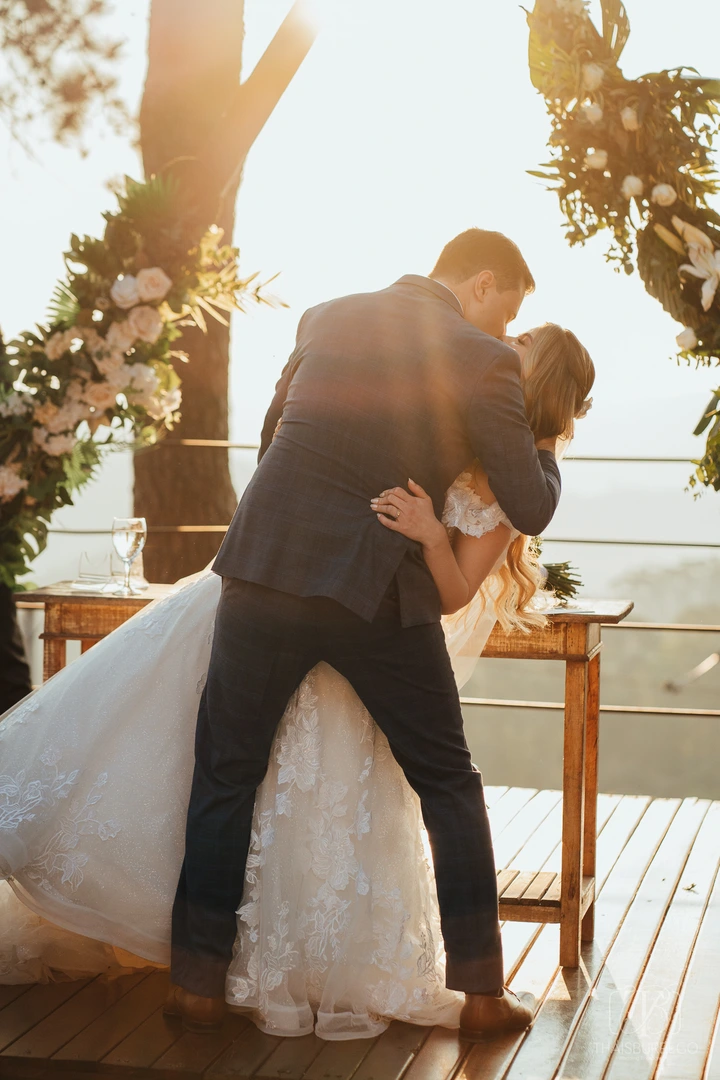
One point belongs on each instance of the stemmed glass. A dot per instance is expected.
(129, 536)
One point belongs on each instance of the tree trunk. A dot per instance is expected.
(198, 122)
(194, 61)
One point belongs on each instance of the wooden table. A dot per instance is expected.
(572, 636)
(74, 615)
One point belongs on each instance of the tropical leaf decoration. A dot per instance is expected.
(101, 372)
(634, 158)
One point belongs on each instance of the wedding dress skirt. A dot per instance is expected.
(338, 930)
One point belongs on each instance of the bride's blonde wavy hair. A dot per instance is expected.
(560, 375)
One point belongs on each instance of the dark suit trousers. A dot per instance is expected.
(14, 671)
(265, 643)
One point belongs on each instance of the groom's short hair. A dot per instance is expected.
(476, 250)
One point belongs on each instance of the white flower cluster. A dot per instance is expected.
(148, 287)
(88, 398)
(60, 342)
(54, 445)
(14, 405)
(11, 483)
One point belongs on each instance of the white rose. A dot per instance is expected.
(67, 418)
(632, 187)
(93, 342)
(110, 362)
(629, 118)
(75, 389)
(144, 381)
(124, 292)
(164, 404)
(592, 76)
(598, 159)
(11, 483)
(59, 343)
(592, 112)
(14, 405)
(687, 340)
(153, 285)
(44, 413)
(56, 445)
(100, 395)
(663, 194)
(121, 336)
(146, 324)
(121, 378)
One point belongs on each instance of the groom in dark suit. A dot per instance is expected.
(412, 381)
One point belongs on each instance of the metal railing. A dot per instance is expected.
(503, 702)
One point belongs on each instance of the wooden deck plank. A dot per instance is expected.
(15, 990)
(593, 1039)
(536, 1053)
(339, 1060)
(690, 1034)
(112, 1026)
(504, 810)
(438, 1057)
(655, 997)
(517, 834)
(29, 1009)
(292, 1058)
(245, 1056)
(712, 1071)
(493, 794)
(46, 1037)
(392, 1053)
(195, 1053)
(146, 1043)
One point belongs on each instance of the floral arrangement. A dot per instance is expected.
(633, 157)
(102, 372)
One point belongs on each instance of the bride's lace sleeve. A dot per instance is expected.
(467, 631)
(466, 511)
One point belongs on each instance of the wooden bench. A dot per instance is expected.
(572, 636)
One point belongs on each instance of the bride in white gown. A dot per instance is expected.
(338, 930)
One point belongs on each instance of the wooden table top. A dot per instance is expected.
(64, 590)
(577, 611)
(591, 611)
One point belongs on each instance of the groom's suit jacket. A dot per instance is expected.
(382, 387)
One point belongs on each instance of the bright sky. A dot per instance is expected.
(409, 121)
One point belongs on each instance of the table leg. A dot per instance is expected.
(576, 682)
(592, 728)
(54, 657)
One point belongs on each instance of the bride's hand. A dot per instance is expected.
(412, 515)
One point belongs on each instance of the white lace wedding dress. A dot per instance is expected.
(338, 929)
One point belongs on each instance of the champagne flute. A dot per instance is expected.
(129, 536)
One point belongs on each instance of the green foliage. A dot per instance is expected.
(632, 157)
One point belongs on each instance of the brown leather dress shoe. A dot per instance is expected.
(483, 1015)
(199, 1014)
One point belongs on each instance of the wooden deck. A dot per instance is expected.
(642, 1005)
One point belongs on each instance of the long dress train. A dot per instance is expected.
(338, 929)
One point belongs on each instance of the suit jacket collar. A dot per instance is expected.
(432, 286)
